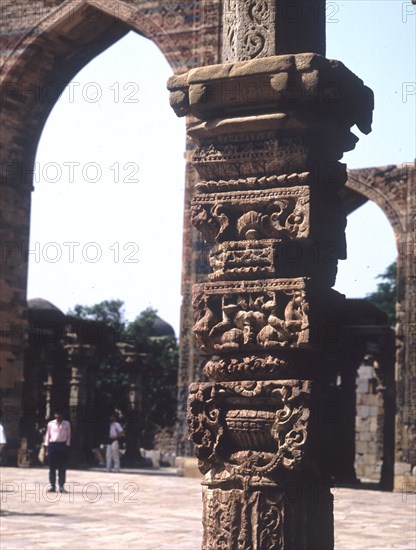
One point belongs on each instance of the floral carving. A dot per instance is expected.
(266, 426)
(228, 518)
(205, 430)
(229, 25)
(211, 222)
(254, 42)
(252, 215)
(248, 29)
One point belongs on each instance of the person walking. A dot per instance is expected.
(3, 441)
(57, 442)
(112, 455)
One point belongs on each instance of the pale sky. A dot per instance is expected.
(108, 203)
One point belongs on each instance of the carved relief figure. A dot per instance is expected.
(274, 333)
(296, 317)
(232, 337)
(253, 320)
(204, 315)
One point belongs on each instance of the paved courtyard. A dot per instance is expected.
(157, 510)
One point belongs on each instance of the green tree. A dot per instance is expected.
(159, 376)
(112, 379)
(140, 330)
(112, 382)
(159, 382)
(160, 385)
(385, 296)
(109, 312)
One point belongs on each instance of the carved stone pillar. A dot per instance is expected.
(270, 133)
(384, 369)
(47, 391)
(134, 362)
(82, 359)
(262, 28)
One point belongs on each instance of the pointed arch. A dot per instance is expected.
(49, 55)
(34, 73)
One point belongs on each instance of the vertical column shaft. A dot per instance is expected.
(262, 28)
(81, 359)
(269, 132)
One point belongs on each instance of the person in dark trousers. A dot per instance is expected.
(57, 442)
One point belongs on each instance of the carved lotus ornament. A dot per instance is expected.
(249, 225)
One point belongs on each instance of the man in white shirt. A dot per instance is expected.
(3, 440)
(57, 442)
(112, 454)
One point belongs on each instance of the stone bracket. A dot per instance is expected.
(276, 83)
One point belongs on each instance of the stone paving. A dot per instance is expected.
(157, 510)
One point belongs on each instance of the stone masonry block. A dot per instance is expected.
(402, 468)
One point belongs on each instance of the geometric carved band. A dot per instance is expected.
(242, 259)
(244, 159)
(270, 182)
(247, 367)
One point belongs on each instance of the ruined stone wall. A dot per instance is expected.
(393, 189)
(368, 426)
(43, 44)
(49, 41)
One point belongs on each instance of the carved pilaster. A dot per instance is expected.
(82, 360)
(249, 29)
(269, 135)
(47, 389)
(262, 28)
(134, 364)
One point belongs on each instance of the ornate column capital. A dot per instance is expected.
(78, 351)
(275, 91)
(130, 355)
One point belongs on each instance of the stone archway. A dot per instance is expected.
(188, 33)
(393, 189)
(40, 60)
